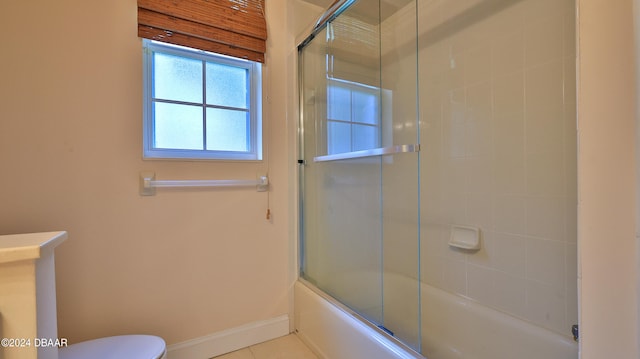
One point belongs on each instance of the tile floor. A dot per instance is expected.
(287, 347)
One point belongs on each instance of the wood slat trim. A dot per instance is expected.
(218, 13)
(175, 38)
(205, 32)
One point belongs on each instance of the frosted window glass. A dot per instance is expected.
(177, 78)
(339, 103)
(364, 137)
(200, 105)
(227, 86)
(365, 108)
(227, 130)
(353, 114)
(338, 137)
(178, 126)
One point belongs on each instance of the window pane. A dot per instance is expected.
(365, 108)
(364, 137)
(338, 137)
(227, 85)
(177, 78)
(178, 126)
(339, 103)
(227, 130)
(200, 105)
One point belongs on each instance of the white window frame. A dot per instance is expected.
(255, 106)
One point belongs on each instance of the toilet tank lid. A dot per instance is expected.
(122, 346)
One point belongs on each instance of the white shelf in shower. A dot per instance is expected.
(382, 151)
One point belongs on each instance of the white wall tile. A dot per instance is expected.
(479, 212)
(506, 156)
(478, 67)
(546, 306)
(507, 52)
(545, 262)
(545, 130)
(509, 254)
(455, 69)
(479, 177)
(569, 28)
(455, 276)
(513, 293)
(509, 172)
(432, 236)
(478, 124)
(546, 217)
(454, 172)
(569, 84)
(571, 283)
(432, 270)
(544, 39)
(453, 123)
(534, 10)
(545, 174)
(571, 254)
(480, 284)
(544, 88)
(508, 93)
(571, 155)
(509, 154)
(509, 214)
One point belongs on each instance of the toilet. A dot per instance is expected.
(121, 346)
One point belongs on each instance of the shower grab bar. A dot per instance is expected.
(148, 183)
(369, 153)
(331, 13)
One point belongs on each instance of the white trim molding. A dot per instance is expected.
(230, 340)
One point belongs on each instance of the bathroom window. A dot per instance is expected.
(199, 105)
(353, 119)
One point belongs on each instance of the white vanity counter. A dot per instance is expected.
(17, 247)
(28, 294)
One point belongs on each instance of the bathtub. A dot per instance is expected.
(453, 327)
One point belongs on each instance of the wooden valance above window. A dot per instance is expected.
(230, 27)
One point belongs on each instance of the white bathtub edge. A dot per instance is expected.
(333, 333)
(458, 328)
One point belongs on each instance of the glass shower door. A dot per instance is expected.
(342, 207)
(360, 210)
(400, 172)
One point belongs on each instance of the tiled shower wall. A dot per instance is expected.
(498, 135)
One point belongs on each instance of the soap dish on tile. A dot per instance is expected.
(465, 237)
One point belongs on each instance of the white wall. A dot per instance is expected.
(181, 264)
(607, 101)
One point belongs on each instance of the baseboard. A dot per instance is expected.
(230, 340)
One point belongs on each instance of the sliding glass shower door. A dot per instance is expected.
(360, 163)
